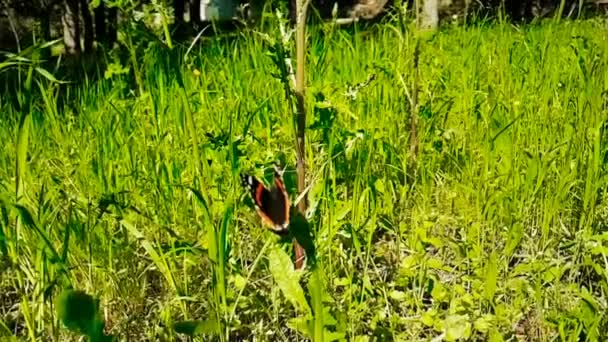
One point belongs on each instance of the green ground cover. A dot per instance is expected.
(499, 230)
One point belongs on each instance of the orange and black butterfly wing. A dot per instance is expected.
(272, 205)
(276, 207)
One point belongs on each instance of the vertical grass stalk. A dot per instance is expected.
(414, 110)
(300, 93)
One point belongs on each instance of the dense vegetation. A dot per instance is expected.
(498, 229)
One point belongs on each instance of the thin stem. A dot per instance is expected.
(300, 93)
(414, 101)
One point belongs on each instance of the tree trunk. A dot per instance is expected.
(89, 36)
(178, 7)
(195, 11)
(293, 11)
(112, 26)
(71, 27)
(100, 24)
(180, 29)
(429, 16)
(45, 26)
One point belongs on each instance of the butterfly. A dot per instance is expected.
(271, 204)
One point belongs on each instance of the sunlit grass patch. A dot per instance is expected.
(130, 189)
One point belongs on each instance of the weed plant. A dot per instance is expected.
(127, 188)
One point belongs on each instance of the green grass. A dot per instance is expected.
(131, 191)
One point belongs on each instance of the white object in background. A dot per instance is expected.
(217, 10)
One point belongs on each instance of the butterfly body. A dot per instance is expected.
(271, 204)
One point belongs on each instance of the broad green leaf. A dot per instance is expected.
(302, 325)
(516, 232)
(484, 323)
(47, 75)
(457, 327)
(287, 279)
(238, 281)
(437, 264)
(397, 295)
(409, 265)
(329, 336)
(342, 281)
(495, 336)
(552, 273)
(428, 318)
(439, 292)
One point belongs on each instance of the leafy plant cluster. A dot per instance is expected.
(121, 213)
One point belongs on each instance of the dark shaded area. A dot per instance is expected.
(100, 24)
(93, 31)
(527, 10)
